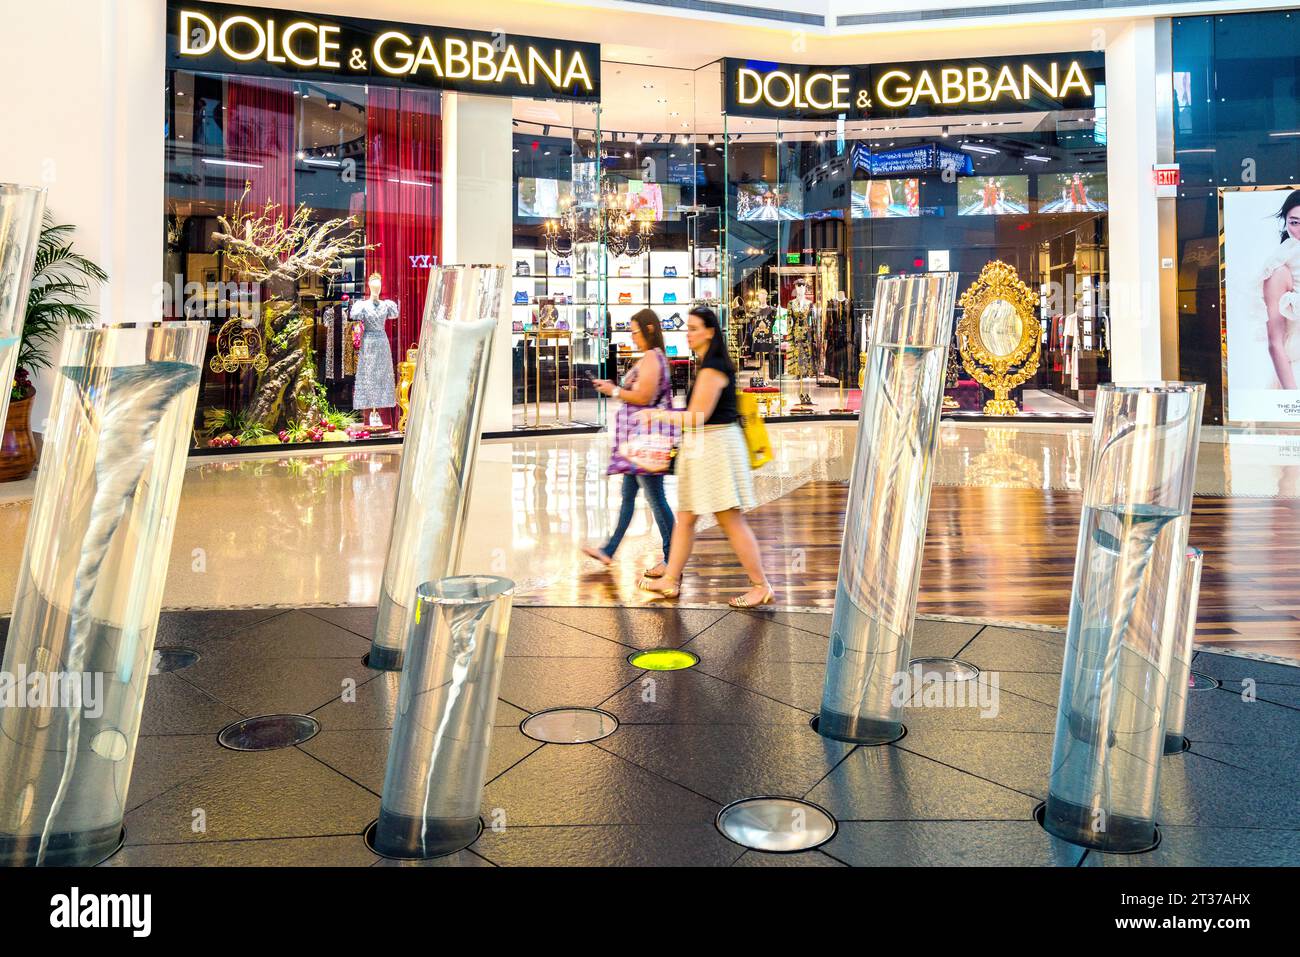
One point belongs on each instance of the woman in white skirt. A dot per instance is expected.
(712, 467)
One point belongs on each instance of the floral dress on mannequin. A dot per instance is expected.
(374, 387)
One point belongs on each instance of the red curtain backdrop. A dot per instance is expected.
(260, 132)
(403, 209)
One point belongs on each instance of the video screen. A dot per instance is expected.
(542, 197)
(885, 198)
(757, 202)
(652, 200)
(1072, 193)
(992, 195)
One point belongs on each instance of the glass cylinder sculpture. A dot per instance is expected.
(437, 756)
(460, 319)
(889, 500)
(21, 209)
(1184, 637)
(1119, 643)
(90, 586)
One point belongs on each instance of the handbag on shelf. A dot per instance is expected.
(755, 429)
(564, 268)
(670, 297)
(624, 272)
(522, 268)
(673, 322)
(670, 272)
(624, 298)
(521, 298)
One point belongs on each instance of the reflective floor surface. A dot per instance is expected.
(959, 789)
(289, 530)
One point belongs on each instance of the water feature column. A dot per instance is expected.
(1110, 723)
(889, 501)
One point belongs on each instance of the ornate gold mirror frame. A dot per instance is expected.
(1000, 373)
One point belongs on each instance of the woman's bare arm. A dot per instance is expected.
(648, 377)
(1278, 282)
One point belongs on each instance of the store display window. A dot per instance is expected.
(817, 207)
(302, 220)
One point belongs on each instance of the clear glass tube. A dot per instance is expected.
(437, 756)
(21, 209)
(889, 500)
(1119, 643)
(90, 586)
(442, 437)
(1184, 638)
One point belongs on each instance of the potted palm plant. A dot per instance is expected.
(62, 278)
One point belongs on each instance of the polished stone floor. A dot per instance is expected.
(288, 530)
(959, 789)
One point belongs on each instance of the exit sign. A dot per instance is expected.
(1167, 179)
(793, 259)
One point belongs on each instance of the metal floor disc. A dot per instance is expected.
(943, 669)
(663, 659)
(776, 824)
(268, 731)
(172, 659)
(569, 725)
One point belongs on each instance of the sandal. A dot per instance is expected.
(598, 555)
(741, 602)
(656, 572)
(670, 591)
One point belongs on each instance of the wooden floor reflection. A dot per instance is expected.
(1005, 554)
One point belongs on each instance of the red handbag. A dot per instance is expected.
(356, 335)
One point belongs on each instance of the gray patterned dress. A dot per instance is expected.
(374, 387)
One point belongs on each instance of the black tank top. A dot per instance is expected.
(724, 413)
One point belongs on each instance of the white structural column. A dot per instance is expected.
(478, 220)
(82, 100)
(1133, 221)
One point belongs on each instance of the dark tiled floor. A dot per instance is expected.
(959, 789)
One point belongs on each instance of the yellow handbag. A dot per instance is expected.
(760, 447)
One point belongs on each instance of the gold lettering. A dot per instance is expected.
(767, 89)
(188, 18)
(510, 64)
(1074, 77)
(484, 68)
(427, 55)
(577, 71)
(537, 62)
(1031, 78)
(455, 54)
(223, 37)
(1007, 81)
(402, 58)
(977, 78)
(271, 56)
(841, 91)
(745, 77)
(902, 93)
(327, 46)
(287, 39)
(812, 99)
(953, 91)
(925, 87)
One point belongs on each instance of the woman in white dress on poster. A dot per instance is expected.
(1281, 287)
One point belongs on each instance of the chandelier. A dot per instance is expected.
(624, 230)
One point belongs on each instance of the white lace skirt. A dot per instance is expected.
(713, 473)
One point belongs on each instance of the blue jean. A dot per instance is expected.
(653, 486)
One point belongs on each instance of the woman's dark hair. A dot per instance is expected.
(647, 320)
(1292, 201)
(717, 351)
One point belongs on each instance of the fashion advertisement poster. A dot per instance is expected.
(1261, 261)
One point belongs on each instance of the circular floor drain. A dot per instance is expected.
(776, 825)
(663, 659)
(1200, 682)
(943, 669)
(815, 724)
(369, 837)
(569, 725)
(1040, 815)
(172, 659)
(268, 731)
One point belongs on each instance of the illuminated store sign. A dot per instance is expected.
(251, 40)
(1004, 85)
